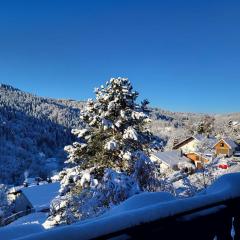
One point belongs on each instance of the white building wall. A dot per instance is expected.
(163, 165)
(190, 147)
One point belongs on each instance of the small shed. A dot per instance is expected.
(40, 196)
(34, 198)
(21, 203)
(225, 146)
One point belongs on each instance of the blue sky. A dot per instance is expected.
(181, 55)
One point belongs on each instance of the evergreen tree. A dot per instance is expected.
(112, 149)
(116, 129)
(206, 125)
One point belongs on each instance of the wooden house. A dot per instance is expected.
(225, 146)
(197, 158)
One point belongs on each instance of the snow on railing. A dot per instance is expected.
(208, 215)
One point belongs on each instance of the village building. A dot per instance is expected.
(172, 160)
(198, 159)
(21, 203)
(36, 198)
(190, 149)
(189, 144)
(225, 147)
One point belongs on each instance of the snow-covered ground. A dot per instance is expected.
(188, 185)
(185, 185)
(24, 226)
(33, 218)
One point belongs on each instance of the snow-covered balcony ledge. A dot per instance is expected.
(161, 216)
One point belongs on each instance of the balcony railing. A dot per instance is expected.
(212, 215)
(220, 221)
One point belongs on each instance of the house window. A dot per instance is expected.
(222, 144)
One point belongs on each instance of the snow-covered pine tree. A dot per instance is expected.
(206, 125)
(116, 129)
(115, 140)
(116, 133)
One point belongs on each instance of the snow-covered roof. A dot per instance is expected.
(40, 196)
(182, 143)
(228, 141)
(198, 137)
(171, 158)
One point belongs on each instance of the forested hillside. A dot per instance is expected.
(33, 132)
